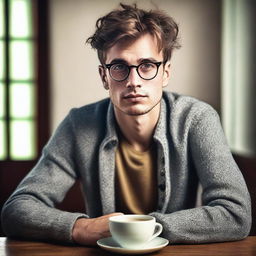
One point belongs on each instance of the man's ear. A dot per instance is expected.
(167, 73)
(103, 77)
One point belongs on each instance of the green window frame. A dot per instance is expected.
(21, 61)
(24, 100)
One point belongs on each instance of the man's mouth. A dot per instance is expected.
(134, 96)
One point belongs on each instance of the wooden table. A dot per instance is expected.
(10, 247)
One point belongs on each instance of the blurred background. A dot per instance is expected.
(46, 69)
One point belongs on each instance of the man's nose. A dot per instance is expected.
(134, 80)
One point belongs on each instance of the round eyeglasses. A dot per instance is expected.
(120, 71)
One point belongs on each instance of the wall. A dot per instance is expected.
(74, 65)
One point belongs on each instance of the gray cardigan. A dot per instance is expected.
(191, 148)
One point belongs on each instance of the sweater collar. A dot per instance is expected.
(161, 127)
(111, 137)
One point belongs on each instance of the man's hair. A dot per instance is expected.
(130, 22)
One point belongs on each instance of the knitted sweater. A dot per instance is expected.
(191, 149)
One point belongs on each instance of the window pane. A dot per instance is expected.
(2, 100)
(21, 60)
(2, 62)
(3, 152)
(22, 100)
(22, 140)
(1, 18)
(20, 19)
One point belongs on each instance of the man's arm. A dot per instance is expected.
(30, 211)
(226, 211)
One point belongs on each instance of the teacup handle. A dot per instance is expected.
(158, 230)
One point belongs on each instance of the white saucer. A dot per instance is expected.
(110, 245)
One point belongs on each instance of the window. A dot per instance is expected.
(238, 75)
(24, 109)
(19, 80)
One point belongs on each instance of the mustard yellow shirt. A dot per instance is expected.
(136, 179)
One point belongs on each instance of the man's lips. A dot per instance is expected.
(134, 96)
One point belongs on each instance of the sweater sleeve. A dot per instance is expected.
(226, 211)
(30, 211)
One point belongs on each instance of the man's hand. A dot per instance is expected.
(88, 231)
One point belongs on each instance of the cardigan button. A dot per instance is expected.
(159, 207)
(162, 187)
(163, 161)
(162, 172)
(111, 144)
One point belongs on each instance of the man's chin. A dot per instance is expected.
(132, 111)
(136, 111)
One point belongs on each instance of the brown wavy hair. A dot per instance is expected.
(130, 22)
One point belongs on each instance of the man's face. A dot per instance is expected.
(135, 96)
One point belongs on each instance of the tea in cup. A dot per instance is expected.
(133, 231)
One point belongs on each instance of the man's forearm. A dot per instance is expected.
(204, 224)
(26, 217)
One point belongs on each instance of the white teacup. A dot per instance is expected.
(133, 231)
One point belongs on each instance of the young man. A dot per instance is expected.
(140, 151)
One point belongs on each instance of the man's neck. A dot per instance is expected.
(138, 130)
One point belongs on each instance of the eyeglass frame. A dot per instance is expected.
(158, 64)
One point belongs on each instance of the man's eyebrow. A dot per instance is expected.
(147, 60)
(118, 61)
(141, 60)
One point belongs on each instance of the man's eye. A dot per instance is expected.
(118, 67)
(147, 66)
